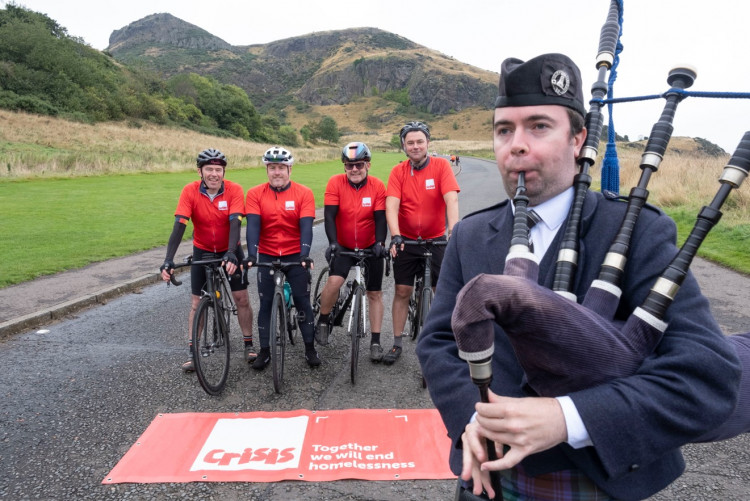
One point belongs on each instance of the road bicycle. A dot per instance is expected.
(211, 323)
(353, 294)
(421, 296)
(284, 321)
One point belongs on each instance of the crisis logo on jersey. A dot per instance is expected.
(429, 184)
(366, 202)
(289, 205)
(223, 205)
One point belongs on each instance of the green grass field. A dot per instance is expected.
(51, 225)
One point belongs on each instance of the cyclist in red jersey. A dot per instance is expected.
(422, 190)
(354, 219)
(280, 215)
(216, 207)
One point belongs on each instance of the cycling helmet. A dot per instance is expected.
(211, 156)
(278, 155)
(355, 152)
(414, 126)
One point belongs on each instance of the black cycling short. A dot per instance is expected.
(198, 272)
(299, 279)
(409, 263)
(373, 270)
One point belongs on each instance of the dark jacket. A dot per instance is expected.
(637, 423)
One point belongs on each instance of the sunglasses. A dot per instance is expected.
(355, 165)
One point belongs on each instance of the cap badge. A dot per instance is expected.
(560, 82)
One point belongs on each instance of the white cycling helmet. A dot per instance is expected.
(278, 155)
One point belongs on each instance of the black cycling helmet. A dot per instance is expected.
(355, 152)
(211, 156)
(278, 155)
(414, 126)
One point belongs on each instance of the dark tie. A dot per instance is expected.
(533, 218)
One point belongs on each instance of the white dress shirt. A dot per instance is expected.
(553, 213)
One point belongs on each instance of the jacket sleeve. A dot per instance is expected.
(447, 376)
(685, 388)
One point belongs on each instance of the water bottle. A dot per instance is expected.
(287, 294)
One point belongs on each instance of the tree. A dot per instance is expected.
(306, 133)
(288, 136)
(328, 130)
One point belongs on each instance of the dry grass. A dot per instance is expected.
(41, 146)
(34, 146)
(686, 179)
(375, 121)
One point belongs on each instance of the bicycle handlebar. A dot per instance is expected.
(277, 264)
(189, 262)
(427, 242)
(357, 253)
(362, 254)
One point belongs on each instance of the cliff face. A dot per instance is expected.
(325, 68)
(166, 29)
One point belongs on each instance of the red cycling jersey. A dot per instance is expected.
(355, 220)
(422, 207)
(210, 217)
(280, 212)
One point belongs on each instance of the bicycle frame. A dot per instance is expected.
(213, 338)
(357, 282)
(284, 307)
(421, 299)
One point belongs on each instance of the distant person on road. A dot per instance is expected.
(216, 207)
(354, 219)
(453, 159)
(422, 191)
(280, 215)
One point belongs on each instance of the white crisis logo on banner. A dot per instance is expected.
(253, 444)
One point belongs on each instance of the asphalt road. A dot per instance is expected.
(76, 398)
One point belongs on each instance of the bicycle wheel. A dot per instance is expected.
(425, 305)
(356, 331)
(292, 324)
(322, 279)
(210, 347)
(278, 340)
(414, 311)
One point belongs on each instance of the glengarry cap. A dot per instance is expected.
(545, 79)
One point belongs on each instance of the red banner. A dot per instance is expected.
(379, 444)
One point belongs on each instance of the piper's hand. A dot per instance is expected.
(166, 269)
(475, 454)
(526, 425)
(249, 262)
(307, 262)
(397, 244)
(230, 262)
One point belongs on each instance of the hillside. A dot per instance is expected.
(324, 68)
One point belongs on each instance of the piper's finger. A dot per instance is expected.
(471, 471)
(511, 458)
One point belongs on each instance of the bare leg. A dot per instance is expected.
(244, 313)
(330, 293)
(400, 308)
(375, 300)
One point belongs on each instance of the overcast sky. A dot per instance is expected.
(711, 36)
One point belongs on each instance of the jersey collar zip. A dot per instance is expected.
(419, 167)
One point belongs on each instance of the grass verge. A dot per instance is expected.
(55, 224)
